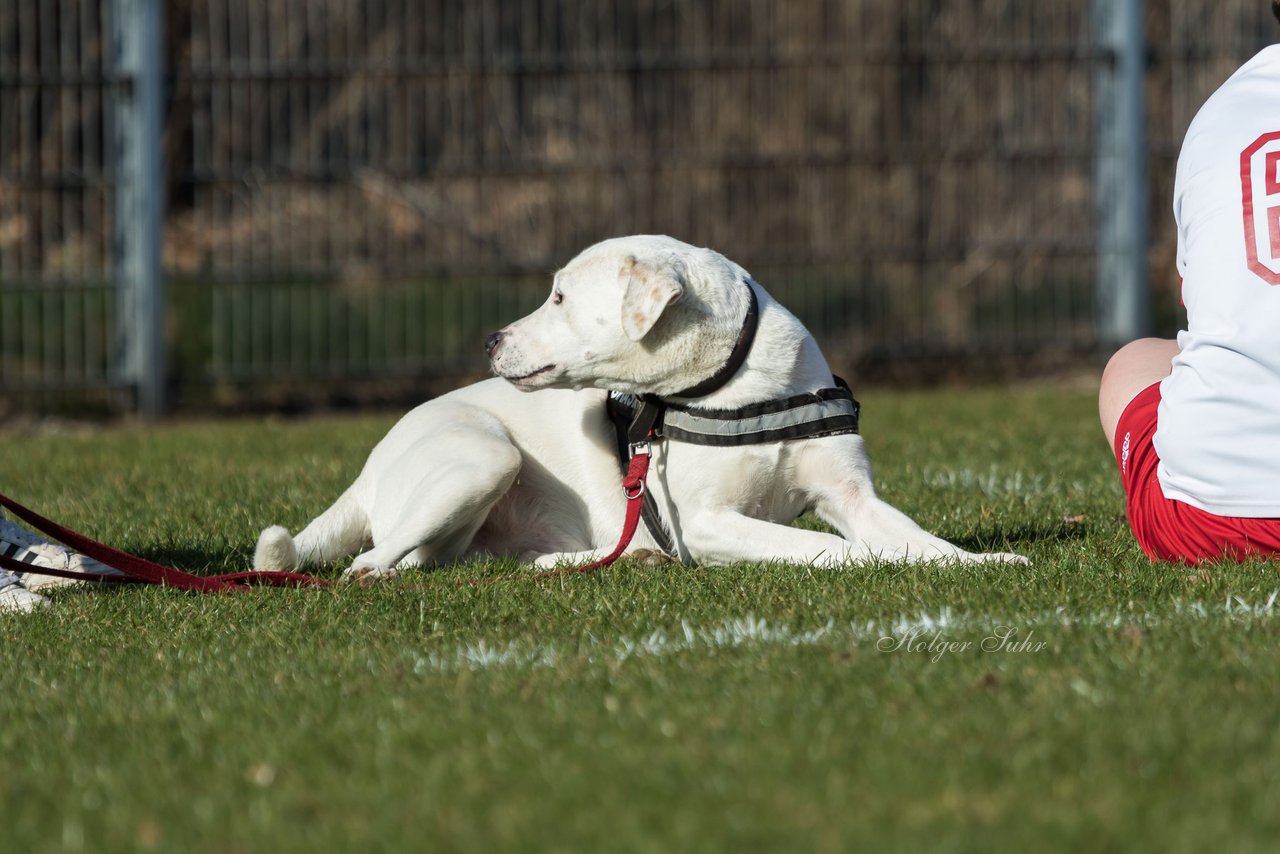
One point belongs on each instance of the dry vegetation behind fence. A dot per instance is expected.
(913, 177)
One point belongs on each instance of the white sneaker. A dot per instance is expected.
(20, 544)
(16, 599)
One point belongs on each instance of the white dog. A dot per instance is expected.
(527, 465)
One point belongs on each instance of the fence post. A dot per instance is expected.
(1120, 172)
(138, 200)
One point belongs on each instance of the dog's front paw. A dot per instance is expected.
(366, 575)
(554, 560)
(562, 560)
(649, 557)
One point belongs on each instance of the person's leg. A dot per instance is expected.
(1135, 366)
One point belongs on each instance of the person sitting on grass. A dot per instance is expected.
(1195, 423)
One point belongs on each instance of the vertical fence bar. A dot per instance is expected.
(1120, 172)
(137, 239)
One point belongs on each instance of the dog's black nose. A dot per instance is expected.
(492, 341)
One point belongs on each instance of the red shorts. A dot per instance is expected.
(1168, 529)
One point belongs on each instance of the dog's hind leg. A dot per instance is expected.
(341, 531)
(459, 479)
(338, 532)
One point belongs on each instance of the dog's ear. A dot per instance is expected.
(649, 291)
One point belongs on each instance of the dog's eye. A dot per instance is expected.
(556, 297)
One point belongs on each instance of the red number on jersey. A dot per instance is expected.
(1260, 193)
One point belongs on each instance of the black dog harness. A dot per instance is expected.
(638, 420)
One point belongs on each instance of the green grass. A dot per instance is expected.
(640, 709)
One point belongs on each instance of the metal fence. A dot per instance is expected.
(359, 190)
(55, 194)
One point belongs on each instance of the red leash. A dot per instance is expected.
(633, 487)
(138, 570)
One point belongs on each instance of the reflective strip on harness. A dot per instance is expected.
(805, 421)
(827, 412)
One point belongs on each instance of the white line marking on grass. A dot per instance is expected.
(750, 631)
(998, 481)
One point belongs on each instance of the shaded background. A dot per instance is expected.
(357, 191)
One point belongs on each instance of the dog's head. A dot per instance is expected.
(642, 314)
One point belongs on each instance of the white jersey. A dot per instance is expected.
(1218, 429)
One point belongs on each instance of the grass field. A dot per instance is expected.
(1091, 701)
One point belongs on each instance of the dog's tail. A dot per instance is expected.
(340, 531)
